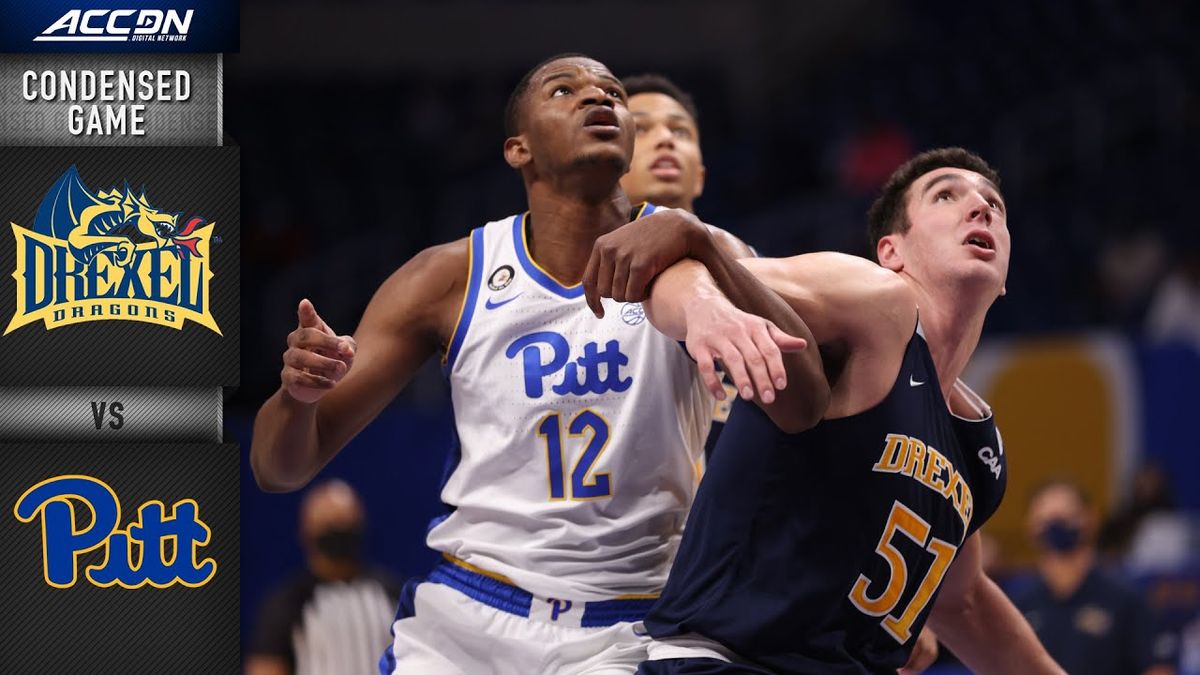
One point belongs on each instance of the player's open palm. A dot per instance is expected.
(749, 348)
(316, 358)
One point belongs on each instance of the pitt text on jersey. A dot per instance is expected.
(153, 549)
(111, 255)
(913, 458)
(594, 382)
(601, 373)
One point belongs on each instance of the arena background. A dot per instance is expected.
(370, 130)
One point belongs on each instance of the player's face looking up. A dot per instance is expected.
(667, 167)
(958, 231)
(573, 114)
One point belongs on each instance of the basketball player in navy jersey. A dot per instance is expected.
(827, 550)
(667, 167)
(668, 170)
(578, 435)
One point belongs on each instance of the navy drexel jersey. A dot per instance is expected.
(823, 551)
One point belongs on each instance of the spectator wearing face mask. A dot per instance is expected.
(1089, 622)
(334, 617)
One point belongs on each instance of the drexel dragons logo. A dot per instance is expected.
(111, 255)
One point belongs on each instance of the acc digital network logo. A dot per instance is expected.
(119, 25)
(111, 256)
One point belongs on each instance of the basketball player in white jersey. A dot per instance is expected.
(578, 435)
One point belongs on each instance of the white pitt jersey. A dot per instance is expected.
(581, 439)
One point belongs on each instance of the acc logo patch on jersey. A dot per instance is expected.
(111, 256)
(633, 313)
(501, 278)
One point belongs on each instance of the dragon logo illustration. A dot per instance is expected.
(111, 255)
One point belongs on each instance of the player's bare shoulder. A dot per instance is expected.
(842, 297)
(425, 293)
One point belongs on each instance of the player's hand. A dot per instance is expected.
(625, 261)
(749, 347)
(924, 653)
(316, 358)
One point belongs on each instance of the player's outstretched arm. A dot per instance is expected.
(842, 298)
(974, 618)
(333, 386)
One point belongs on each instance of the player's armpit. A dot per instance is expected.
(410, 316)
(977, 622)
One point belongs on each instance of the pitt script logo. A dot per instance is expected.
(153, 549)
(111, 255)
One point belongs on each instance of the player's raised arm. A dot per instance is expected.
(974, 618)
(333, 386)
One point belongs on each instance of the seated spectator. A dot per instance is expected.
(1089, 622)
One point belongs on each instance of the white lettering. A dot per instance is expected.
(112, 27)
(70, 21)
(28, 78)
(989, 457)
(149, 21)
(86, 28)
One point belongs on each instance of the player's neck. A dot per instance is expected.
(952, 328)
(1064, 573)
(562, 228)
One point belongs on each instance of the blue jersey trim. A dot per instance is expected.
(609, 612)
(544, 279)
(491, 592)
(406, 609)
(521, 244)
(453, 459)
(497, 593)
(472, 295)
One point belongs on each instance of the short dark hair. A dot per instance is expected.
(512, 110)
(654, 83)
(1056, 483)
(888, 215)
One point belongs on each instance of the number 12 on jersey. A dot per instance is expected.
(583, 485)
(903, 520)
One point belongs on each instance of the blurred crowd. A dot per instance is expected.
(1115, 593)
(1088, 109)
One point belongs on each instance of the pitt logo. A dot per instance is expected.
(593, 381)
(111, 255)
(924, 464)
(558, 608)
(133, 557)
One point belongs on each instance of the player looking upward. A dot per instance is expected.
(667, 167)
(668, 170)
(825, 551)
(577, 435)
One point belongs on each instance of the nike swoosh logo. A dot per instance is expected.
(913, 383)
(493, 305)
